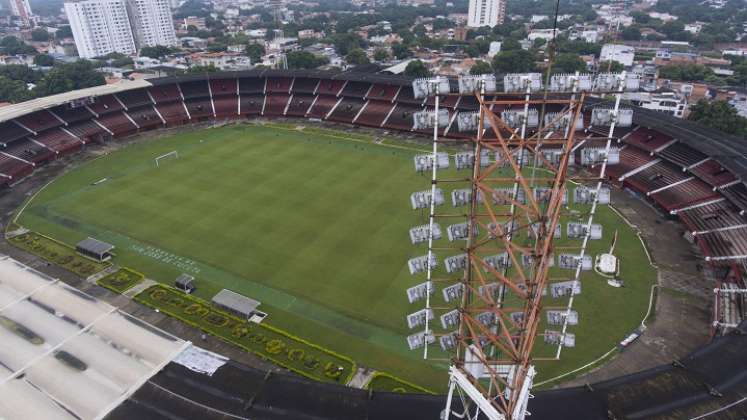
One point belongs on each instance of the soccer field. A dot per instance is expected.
(311, 223)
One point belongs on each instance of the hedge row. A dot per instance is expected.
(57, 253)
(121, 280)
(389, 383)
(270, 343)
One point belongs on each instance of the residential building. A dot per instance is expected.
(546, 34)
(623, 54)
(151, 23)
(22, 9)
(668, 102)
(100, 27)
(486, 13)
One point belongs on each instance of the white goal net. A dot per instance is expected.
(166, 156)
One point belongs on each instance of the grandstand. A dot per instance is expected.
(666, 160)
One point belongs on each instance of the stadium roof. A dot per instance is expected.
(23, 108)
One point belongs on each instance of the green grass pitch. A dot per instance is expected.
(312, 223)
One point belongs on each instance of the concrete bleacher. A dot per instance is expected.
(72, 115)
(29, 151)
(86, 130)
(299, 104)
(59, 140)
(223, 87)
(165, 93)
(305, 85)
(251, 104)
(226, 105)
(682, 155)
(279, 85)
(10, 131)
(199, 107)
(275, 103)
(194, 89)
(145, 117)
(383, 92)
(375, 113)
(713, 173)
(134, 98)
(173, 112)
(322, 106)
(39, 121)
(347, 110)
(105, 104)
(117, 123)
(648, 139)
(330, 87)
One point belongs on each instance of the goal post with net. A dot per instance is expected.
(170, 155)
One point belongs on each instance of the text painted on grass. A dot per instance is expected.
(184, 264)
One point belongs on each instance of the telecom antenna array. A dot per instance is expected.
(493, 217)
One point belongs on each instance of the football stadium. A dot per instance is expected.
(235, 245)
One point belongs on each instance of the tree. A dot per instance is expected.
(66, 77)
(631, 33)
(381, 54)
(63, 32)
(13, 90)
(719, 115)
(40, 35)
(20, 72)
(514, 61)
(481, 67)
(345, 42)
(14, 46)
(568, 63)
(416, 68)
(611, 66)
(685, 72)
(44, 60)
(400, 51)
(255, 52)
(357, 57)
(157, 51)
(510, 44)
(304, 60)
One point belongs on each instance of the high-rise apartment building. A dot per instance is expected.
(101, 27)
(22, 9)
(486, 13)
(151, 22)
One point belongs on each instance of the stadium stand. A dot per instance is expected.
(355, 89)
(226, 106)
(347, 110)
(322, 106)
(717, 215)
(39, 121)
(199, 108)
(134, 98)
(631, 158)
(251, 85)
(251, 104)
(13, 169)
(737, 194)
(713, 173)
(406, 96)
(174, 113)
(86, 130)
(10, 131)
(684, 194)
(105, 104)
(165, 93)
(305, 85)
(29, 151)
(330, 87)
(401, 117)
(223, 87)
(279, 85)
(117, 123)
(194, 89)
(654, 177)
(375, 113)
(145, 117)
(72, 115)
(383, 92)
(299, 104)
(682, 155)
(647, 139)
(275, 103)
(59, 140)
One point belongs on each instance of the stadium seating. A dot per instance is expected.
(401, 118)
(630, 158)
(657, 176)
(165, 93)
(468, 103)
(174, 112)
(716, 215)
(251, 104)
(194, 89)
(10, 131)
(383, 92)
(322, 106)
(347, 110)
(275, 103)
(117, 123)
(29, 150)
(737, 194)
(305, 85)
(278, 85)
(86, 130)
(145, 117)
(713, 173)
(105, 104)
(13, 168)
(682, 155)
(299, 104)
(728, 243)
(647, 139)
(330, 87)
(226, 105)
(684, 194)
(134, 98)
(199, 108)
(72, 115)
(406, 96)
(375, 113)
(251, 85)
(39, 121)
(223, 87)
(59, 140)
